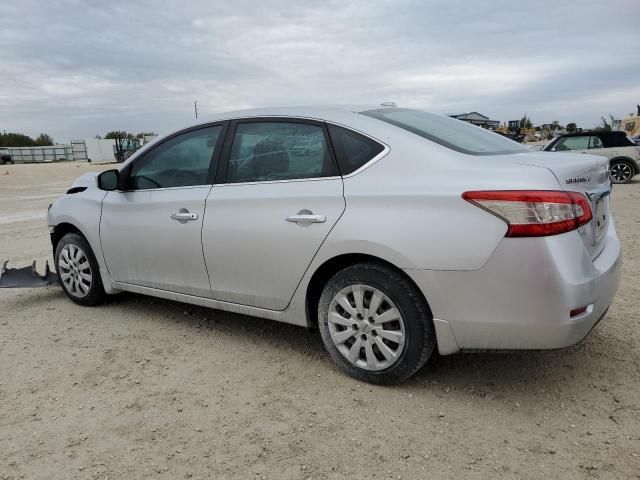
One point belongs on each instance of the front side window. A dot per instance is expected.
(571, 143)
(267, 151)
(451, 133)
(181, 161)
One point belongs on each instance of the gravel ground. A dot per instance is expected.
(147, 388)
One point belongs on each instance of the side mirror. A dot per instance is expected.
(108, 180)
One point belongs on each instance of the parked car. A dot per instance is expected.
(5, 156)
(398, 234)
(622, 152)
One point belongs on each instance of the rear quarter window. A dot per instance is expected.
(352, 149)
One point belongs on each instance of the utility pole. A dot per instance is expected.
(195, 108)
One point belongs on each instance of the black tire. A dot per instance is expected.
(621, 171)
(419, 332)
(95, 294)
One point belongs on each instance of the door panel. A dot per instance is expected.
(143, 245)
(254, 255)
(151, 230)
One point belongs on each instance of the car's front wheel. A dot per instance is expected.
(375, 323)
(78, 270)
(621, 171)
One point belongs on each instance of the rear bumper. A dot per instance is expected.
(523, 296)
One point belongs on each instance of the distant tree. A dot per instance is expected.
(119, 133)
(98, 137)
(556, 124)
(43, 140)
(21, 140)
(15, 140)
(525, 122)
(572, 127)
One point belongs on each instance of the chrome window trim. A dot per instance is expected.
(311, 179)
(162, 189)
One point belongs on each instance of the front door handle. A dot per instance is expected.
(307, 218)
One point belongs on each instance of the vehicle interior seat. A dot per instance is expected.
(270, 160)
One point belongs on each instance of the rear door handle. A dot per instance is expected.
(184, 216)
(307, 218)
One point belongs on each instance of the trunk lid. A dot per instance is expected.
(588, 174)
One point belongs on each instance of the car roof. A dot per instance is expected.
(588, 133)
(306, 111)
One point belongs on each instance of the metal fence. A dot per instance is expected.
(79, 150)
(75, 151)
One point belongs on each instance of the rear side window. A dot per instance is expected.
(352, 149)
(268, 151)
(595, 142)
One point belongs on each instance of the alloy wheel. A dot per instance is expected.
(75, 270)
(366, 327)
(621, 172)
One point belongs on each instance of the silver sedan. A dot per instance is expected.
(394, 232)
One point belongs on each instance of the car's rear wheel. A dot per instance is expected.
(375, 323)
(621, 171)
(78, 270)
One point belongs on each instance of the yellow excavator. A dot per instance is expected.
(513, 131)
(631, 124)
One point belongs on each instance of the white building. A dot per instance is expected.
(100, 149)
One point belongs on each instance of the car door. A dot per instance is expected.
(150, 230)
(276, 198)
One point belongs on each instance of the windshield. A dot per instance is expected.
(454, 134)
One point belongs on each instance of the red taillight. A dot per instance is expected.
(534, 213)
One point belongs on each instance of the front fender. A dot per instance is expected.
(82, 211)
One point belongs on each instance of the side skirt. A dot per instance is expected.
(279, 316)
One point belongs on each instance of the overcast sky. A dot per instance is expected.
(77, 68)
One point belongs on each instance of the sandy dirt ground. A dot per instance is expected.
(146, 388)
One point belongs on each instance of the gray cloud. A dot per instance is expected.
(75, 68)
